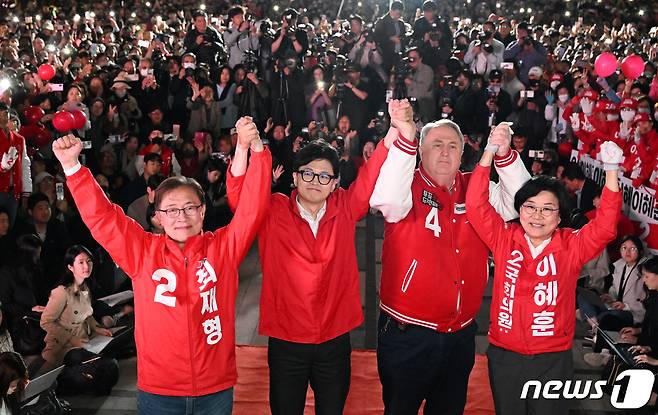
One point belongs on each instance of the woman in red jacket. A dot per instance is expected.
(537, 266)
(185, 281)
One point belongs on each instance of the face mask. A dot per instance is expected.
(494, 88)
(586, 105)
(554, 84)
(189, 65)
(563, 98)
(612, 117)
(644, 110)
(627, 116)
(649, 75)
(120, 93)
(144, 72)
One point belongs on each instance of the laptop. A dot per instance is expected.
(592, 297)
(40, 384)
(619, 349)
(104, 345)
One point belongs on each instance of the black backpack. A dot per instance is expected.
(87, 372)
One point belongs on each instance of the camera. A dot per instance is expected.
(402, 69)
(250, 60)
(487, 48)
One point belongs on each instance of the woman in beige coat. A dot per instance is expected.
(68, 319)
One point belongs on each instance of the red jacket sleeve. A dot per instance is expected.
(356, 201)
(122, 237)
(483, 217)
(252, 208)
(592, 238)
(233, 188)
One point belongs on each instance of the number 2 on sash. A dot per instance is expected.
(432, 222)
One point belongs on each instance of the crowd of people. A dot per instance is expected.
(203, 127)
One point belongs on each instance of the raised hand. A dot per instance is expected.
(67, 150)
(611, 155)
(247, 132)
(402, 118)
(9, 158)
(277, 172)
(500, 139)
(575, 122)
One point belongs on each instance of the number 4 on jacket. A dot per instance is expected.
(432, 221)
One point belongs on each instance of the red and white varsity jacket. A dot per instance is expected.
(434, 266)
(533, 306)
(184, 298)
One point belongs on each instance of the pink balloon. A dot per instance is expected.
(632, 66)
(80, 119)
(46, 72)
(605, 64)
(63, 121)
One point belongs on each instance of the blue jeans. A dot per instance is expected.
(219, 403)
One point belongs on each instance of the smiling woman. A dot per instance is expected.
(537, 266)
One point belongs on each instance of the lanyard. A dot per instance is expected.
(624, 282)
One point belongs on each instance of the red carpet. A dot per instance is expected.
(251, 392)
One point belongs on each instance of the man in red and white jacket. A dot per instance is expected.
(15, 175)
(185, 281)
(434, 269)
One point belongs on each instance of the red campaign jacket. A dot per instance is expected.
(310, 291)
(184, 299)
(647, 152)
(533, 301)
(15, 174)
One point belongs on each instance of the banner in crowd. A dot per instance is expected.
(638, 204)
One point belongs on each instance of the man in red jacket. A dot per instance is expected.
(434, 270)
(185, 281)
(310, 297)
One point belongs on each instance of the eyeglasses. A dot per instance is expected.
(175, 212)
(309, 175)
(544, 211)
(625, 248)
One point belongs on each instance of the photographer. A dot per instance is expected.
(123, 109)
(355, 37)
(480, 55)
(251, 95)
(239, 37)
(352, 94)
(430, 23)
(205, 112)
(390, 34)
(468, 111)
(367, 55)
(420, 85)
(498, 101)
(525, 51)
(203, 40)
(289, 37)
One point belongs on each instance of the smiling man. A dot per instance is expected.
(310, 297)
(434, 269)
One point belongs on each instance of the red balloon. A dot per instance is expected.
(33, 114)
(43, 137)
(564, 149)
(46, 72)
(80, 119)
(63, 121)
(605, 64)
(632, 66)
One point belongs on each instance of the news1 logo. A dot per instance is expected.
(631, 389)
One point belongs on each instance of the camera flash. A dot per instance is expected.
(112, 13)
(4, 85)
(76, 18)
(202, 6)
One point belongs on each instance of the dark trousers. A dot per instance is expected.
(509, 371)
(293, 365)
(416, 364)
